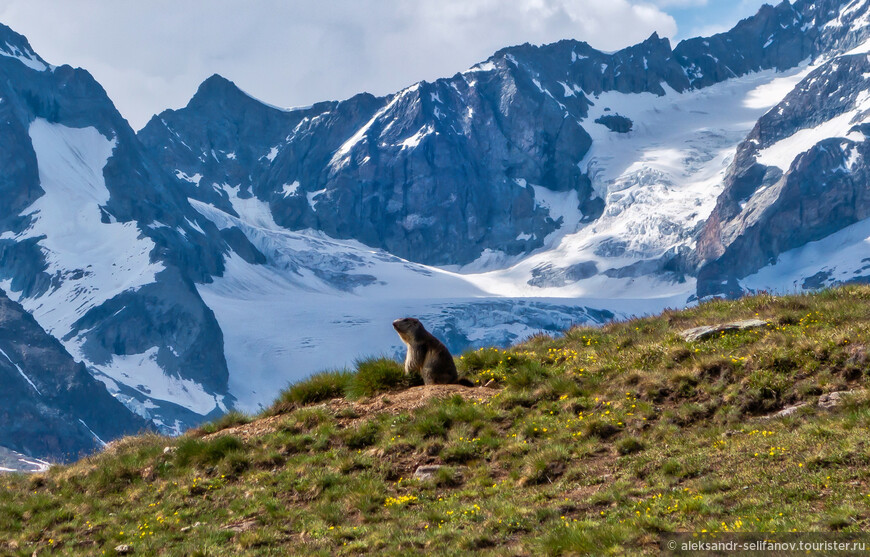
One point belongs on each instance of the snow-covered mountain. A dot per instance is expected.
(99, 246)
(798, 178)
(230, 246)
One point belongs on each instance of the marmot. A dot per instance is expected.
(426, 354)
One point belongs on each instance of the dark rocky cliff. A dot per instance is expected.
(50, 406)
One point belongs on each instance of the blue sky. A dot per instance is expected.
(152, 54)
(713, 16)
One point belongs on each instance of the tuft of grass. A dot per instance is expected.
(545, 466)
(463, 446)
(601, 428)
(474, 361)
(588, 538)
(374, 376)
(230, 419)
(525, 373)
(629, 445)
(364, 435)
(317, 388)
(192, 451)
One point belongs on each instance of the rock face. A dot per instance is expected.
(410, 173)
(800, 176)
(11, 461)
(51, 405)
(776, 37)
(787, 187)
(615, 123)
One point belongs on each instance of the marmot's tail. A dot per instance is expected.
(465, 382)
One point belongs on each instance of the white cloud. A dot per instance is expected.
(152, 55)
(679, 3)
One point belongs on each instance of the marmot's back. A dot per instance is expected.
(426, 354)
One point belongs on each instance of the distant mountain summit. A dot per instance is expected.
(231, 246)
(16, 46)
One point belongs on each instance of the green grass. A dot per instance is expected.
(370, 377)
(203, 452)
(597, 442)
(230, 419)
(317, 388)
(373, 376)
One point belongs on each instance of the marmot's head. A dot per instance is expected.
(407, 327)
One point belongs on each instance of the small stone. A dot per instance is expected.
(148, 474)
(169, 450)
(241, 525)
(857, 355)
(788, 411)
(832, 400)
(124, 549)
(427, 472)
(186, 528)
(707, 331)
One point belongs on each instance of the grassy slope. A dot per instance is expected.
(596, 442)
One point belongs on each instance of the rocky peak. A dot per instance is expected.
(218, 93)
(125, 285)
(397, 172)
(775, 37)
(840, 25)
(571, 68)
(15, 45)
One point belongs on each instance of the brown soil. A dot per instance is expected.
(390, 403)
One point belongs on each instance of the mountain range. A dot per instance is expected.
(162, 277)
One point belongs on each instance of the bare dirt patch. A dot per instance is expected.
(394, 402)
